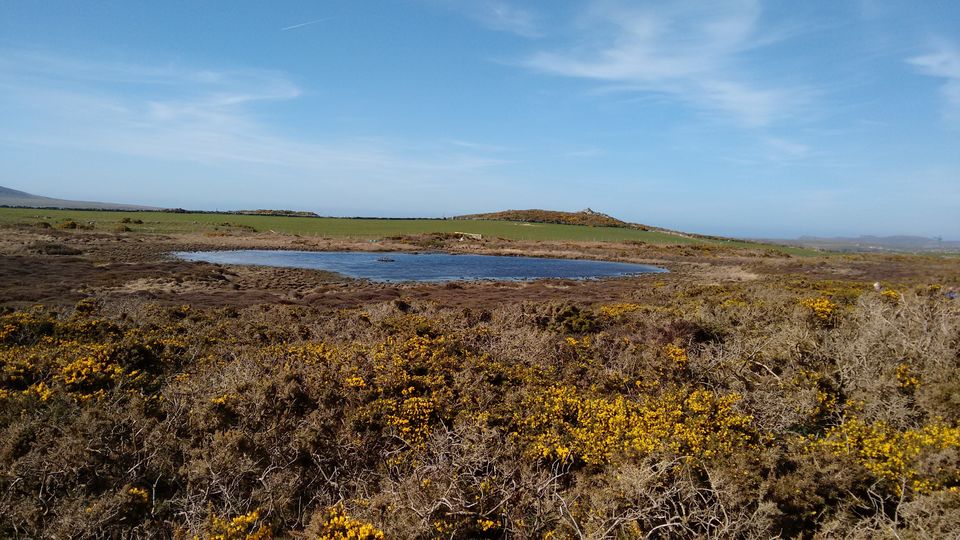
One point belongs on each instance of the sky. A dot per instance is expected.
(731, 117)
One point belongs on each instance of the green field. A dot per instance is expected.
(360, 229)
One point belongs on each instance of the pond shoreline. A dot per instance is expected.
(424, 266)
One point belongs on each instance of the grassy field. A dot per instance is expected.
(170, 222)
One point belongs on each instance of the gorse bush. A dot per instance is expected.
(821, 308)
(335, 524)
(692, 424)
(906, 460)
(730, 411)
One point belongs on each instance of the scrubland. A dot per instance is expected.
(786, 406)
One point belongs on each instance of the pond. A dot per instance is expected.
(393, 267)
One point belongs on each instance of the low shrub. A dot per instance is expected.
(706, 412)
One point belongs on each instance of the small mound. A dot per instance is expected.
(586, 217)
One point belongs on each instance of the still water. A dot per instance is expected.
(391, 267)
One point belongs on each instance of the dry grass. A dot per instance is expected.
(733, 410)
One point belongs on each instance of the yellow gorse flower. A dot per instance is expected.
(242, 527)
(338, 525)
(696, 424)
(894, 455)
(891, 295)
(677, 354)
(905, 377)
(90, 371)
(355, 382)
(823, 308)
(139, 494)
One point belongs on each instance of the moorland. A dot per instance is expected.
(752, 391)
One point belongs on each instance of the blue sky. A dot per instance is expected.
(738, 117)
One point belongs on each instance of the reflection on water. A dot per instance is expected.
(424, 266)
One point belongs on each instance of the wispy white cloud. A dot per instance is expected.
(688, 51)
(772, 151)
(508, 18)
(212, 117)
(499, 15)
(944, 63)
(308, 23)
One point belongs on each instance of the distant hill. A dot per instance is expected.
(13, 197)
(282, 213)
(586, 217)
(877, 243)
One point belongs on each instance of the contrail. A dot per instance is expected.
(308, 23)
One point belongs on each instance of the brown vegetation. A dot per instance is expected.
(584, 217)
(739, 396)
